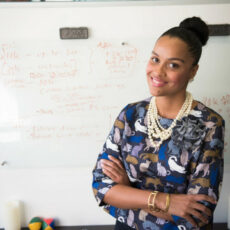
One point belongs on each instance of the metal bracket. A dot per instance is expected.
(219, 30)
(74, 33)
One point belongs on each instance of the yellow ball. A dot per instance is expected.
(35, 224)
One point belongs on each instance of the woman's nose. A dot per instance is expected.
(159, 70)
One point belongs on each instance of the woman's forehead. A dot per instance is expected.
(171, 47)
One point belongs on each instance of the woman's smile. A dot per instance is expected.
(157, 82)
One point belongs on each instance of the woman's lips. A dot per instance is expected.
(157, 82)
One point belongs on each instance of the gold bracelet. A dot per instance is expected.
(167, 203)
(151, 205)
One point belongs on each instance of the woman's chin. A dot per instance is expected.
(156, 92)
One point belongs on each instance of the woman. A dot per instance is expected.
(162, 164)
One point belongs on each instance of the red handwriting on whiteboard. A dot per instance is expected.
(210, 101)
(112, 58)
(71, 52)
(9, 69)
(104, 45)
(223, 100)
(45, 111)
(63, 74)
(220, 104)
(38, 132)
(8, 52)
(120, 60)
(36, 75)
(8, 60)
(46, 82)
(225, 146)
(226, 99)
(15, 83)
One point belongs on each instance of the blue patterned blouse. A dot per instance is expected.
(190, 162)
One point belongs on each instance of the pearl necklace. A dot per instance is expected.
(155, 130)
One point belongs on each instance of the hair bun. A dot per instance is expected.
(197, 26)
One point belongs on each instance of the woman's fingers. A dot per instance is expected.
(110, 166)
(199, 215)
(113, 163)
(108, 163)
(194, 203)
(114, 169)
(116, 161)
(191, 220)
(110, 173)
(202, 197)
(188, 206)
(202, 208)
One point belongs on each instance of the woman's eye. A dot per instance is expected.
(173, 65)
(155, 59)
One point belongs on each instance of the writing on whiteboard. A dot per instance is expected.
(221, 104)
(59, 98)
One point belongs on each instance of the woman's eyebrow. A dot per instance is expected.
(177, 59)
(171, 59)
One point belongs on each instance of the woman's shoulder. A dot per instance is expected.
(207, 114)
(136, 109)
(142, 103)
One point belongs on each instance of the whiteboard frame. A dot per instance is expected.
(101, 3)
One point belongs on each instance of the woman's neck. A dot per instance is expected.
(169, 106)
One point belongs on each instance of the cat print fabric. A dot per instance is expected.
(189, 162)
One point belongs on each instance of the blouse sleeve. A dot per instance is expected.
(101, 183)
(207, 172)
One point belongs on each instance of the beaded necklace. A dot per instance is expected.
(155, 130)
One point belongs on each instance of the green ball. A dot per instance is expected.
(35, 219)
(35, 223)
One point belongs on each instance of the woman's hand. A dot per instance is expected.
(115, 170)
(186, 206)
(183, 205)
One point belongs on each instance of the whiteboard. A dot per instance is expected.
(57, 103)
(59, 99)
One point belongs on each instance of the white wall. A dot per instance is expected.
(65, 193)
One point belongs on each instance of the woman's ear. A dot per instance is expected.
(194, 71)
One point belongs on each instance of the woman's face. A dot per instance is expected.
(170, 67)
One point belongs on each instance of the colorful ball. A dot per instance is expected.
(48, 224)
(35, 223)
